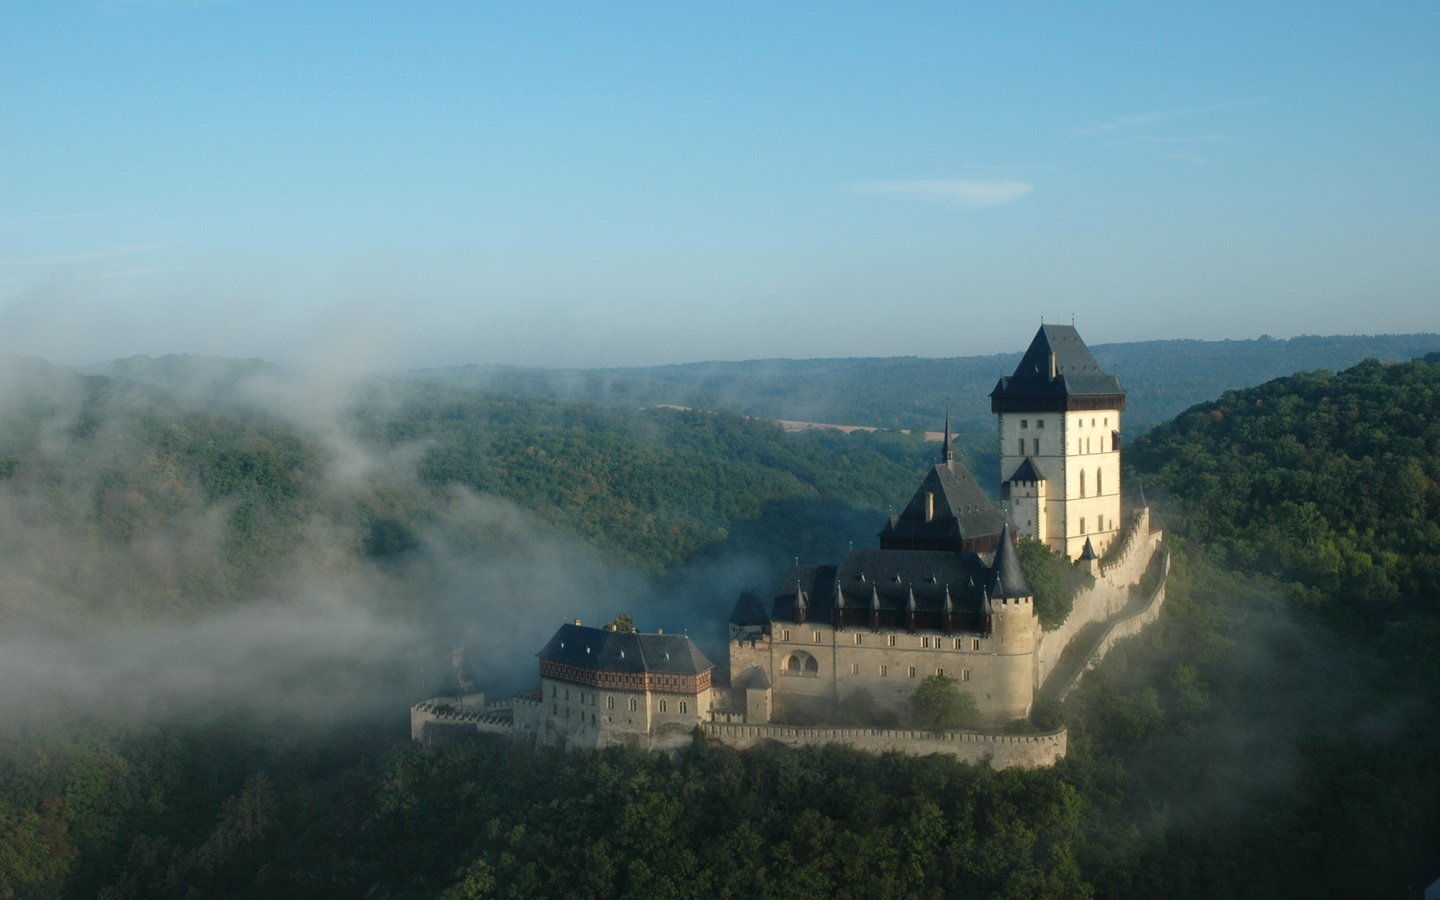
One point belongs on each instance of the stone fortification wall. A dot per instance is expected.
(429, 715)
(1110, 593)
(1002, 751)
(1128, 626)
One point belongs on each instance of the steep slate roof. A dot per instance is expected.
(624, 651)
(749, 611)
(1007, 580)
(1029, 470)
(962, 511)
(1077, 374)
(892, 577)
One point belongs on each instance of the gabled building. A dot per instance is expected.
(1059, 418)
(883, 620)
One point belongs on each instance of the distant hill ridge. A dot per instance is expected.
(911, 392)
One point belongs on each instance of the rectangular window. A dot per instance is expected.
(1082, 526)
(1024, 423)
(857, 640)
(784, 634)
(634, 704)
(890, 640)
(939, 672)
(957, 643)
(815, 636)
(974, 643)
(854, 668)
(1022, 446)
(884, 671)
(609, 702)
(912, 672)
(1039, 423)
(925, 642)
(964, 674)
(684, 707)
(1036, 443)
(662, 706)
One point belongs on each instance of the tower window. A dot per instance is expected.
(785, 632)
(609, 702)
(974, 643)
(684, 707)
(1039, 423)
(857, 640)
(1098, 489)
(1082, 525)
(911, 672)
(884, 671)
(815, 636)
(634, 705)
(890, 640)
(1036, 443)
(662, 706)
(1022, 446)
(1024, 423)
(1082, 492)
(854, 668)
(964, 674)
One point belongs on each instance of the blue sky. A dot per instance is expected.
(615, 184)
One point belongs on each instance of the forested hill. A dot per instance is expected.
(911, 392)
(1328, 482)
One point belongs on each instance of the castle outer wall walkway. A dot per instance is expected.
(1001, 751)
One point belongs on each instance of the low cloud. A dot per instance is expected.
(953, 191)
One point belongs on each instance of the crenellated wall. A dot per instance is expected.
(1001, 751)
(1124, 566)
(1128, 626)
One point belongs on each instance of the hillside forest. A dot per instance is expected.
(224, 584)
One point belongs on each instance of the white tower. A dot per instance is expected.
(1060, 443)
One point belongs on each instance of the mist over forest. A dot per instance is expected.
(225, 581)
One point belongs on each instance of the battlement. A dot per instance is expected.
(1000, 751)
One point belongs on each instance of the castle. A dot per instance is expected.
(944, 594)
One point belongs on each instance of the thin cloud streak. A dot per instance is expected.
(958, 192)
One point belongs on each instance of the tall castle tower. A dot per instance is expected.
(1060, 444)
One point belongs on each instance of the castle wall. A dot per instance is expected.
(1001, 751)
(1107, 597)
(998, 669)
(1129, 626)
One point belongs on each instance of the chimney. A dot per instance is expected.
(577, 621)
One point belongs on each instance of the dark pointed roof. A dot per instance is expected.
(1029, 470)
(749, 611)
(1007, 580)
(1075, 381)
(887, 580)
(752, 679)
(624, 651)
(962, 512)
(1089, 551)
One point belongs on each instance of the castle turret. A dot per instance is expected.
(1014, 629)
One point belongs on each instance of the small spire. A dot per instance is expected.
(948, 454)
(874, 598)
(949, 604)
(910, 604)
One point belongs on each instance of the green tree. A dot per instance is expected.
(939, 705)
(1047, 574)
(622, 622)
